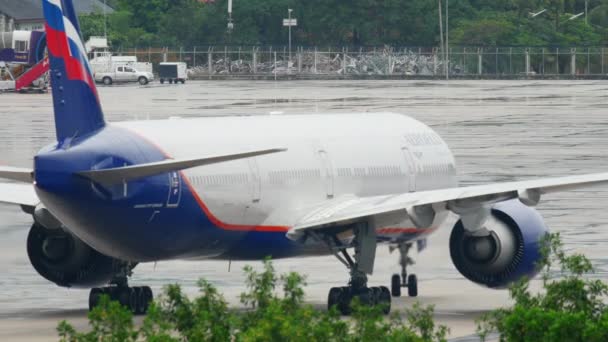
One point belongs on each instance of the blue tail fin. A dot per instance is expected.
(77, 107)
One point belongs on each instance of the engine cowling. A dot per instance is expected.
(67, 261)
(510, 252)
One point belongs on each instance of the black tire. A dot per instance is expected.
(396, 285)
(143, 80)
(162, 81)
(107, 81)
(183, 81)
(412, 285)
(149, 297)
(176, 81)
(385, 300)
(345, 301)
(94, 297)
(170, 81)
(333, 299)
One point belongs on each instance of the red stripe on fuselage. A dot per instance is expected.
(216, 221)
(256, 228)
(57, 43)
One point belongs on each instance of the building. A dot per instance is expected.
(27, 14)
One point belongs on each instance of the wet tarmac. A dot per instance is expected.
(498, 131)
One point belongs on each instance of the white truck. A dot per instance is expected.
(173, 72)
(124, 73)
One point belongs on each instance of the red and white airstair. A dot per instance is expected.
(33, 78)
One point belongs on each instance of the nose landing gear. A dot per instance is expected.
(137, 299)
(404, 280)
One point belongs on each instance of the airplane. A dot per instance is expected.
(107, 196)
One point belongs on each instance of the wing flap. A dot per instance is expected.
(127, 173)
(353, 209)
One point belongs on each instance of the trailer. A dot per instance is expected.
(173, 72)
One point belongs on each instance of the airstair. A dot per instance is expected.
(22, 80)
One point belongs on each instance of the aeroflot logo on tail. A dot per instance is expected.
(63, 41)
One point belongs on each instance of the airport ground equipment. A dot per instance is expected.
(105, 198)
(23, 64)
(173, 72)
(124, 74)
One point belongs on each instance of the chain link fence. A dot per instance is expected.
(466, 62)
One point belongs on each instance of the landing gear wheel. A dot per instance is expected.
(333, 299)
(385, 300)
(412, 285)
(94, 297)
(396, 285)
(149, 297)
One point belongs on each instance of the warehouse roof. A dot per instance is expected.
(32, 9)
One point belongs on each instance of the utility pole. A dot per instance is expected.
(441, 44)
(105, 20)
(230, 23)
(289, 10)
(447, 39)
(586, 11)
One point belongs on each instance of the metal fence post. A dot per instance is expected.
(480, 61)
(573, 61)
(194, 57)
(275, 66)
(255, 61)
(210, 60)
(315, 58)
(602, 55)
(300, 60)
(527, 60)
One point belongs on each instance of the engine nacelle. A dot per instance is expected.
(62, 258)
(510, 252)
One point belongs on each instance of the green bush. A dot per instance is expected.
(268, 317)
(570, 306)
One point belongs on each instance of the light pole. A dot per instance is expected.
(230, 23)
(586, 11)
(447, 40)
(289, 10)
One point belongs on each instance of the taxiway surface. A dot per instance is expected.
(498, 131)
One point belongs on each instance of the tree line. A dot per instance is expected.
(188, 23)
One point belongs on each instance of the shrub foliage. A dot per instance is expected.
(570, 306)
(270, 315)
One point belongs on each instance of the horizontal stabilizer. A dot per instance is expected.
(17, 174)
(127, 173)
(19, 194)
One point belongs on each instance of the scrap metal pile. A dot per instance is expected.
(384, 62)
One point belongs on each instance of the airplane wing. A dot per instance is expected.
(17, 174)
(353, 209)
(18, 193)
(122, 174)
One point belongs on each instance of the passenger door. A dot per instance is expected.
(410, 168)
(327, 172)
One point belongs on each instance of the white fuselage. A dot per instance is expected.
(328, 156)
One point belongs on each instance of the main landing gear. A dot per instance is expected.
(404, 280)
(137, 299)
(362, 265)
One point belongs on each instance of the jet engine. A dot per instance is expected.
(64, 259)
(510, 252)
